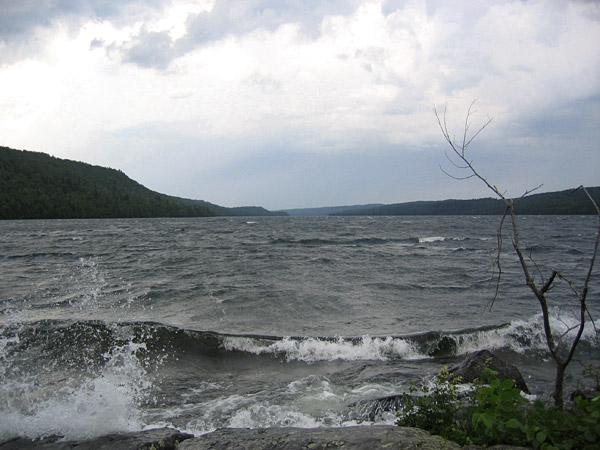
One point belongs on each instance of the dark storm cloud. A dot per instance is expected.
(232, 18)
(150, 49)
(235, 17)
(21, 19)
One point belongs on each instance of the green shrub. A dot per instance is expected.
(495, 412)
(435, 409)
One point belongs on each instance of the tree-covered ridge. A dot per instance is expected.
(562, 202)
(39, 186)
(235, 211)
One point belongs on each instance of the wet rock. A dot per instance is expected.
(443, 348)
(473, 365)
(347, 438)
(374, 437)
(158, 439)
(585, 394)
(374, 409)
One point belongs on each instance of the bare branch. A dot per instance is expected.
(570, 284)
(454, 176)
(526, 193)
(460, 150)
(453, 163)
(498, 260)
(568, 330)
(459, 159)
(591, 319)
(548, 284)
(596, 244)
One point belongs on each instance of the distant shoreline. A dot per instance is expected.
(35, 185)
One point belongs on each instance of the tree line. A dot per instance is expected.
(562, 202)
(35, 185)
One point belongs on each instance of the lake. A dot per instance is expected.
(126, 324)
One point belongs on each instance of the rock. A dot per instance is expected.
(374, 409)
(473, 365)
(443, 348)
(585, 394)
(347, 438)
(159, 439)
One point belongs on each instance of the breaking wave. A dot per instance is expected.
(519, 336)
(312, 349)
(94, 404)
(79, 379)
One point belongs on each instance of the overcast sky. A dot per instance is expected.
(290, 103)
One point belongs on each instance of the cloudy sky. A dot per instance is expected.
(289, 103)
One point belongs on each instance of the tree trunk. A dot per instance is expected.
(559, 383)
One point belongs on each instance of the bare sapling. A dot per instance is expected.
(560, 346)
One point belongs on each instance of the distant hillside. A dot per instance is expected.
(327, 210)
(235, 211)
(562, 202)
(39, 186)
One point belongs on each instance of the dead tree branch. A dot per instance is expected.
(460, 161)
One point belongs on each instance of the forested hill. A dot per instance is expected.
(39, 186)
(562, 202)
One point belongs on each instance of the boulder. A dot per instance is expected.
(374, 437)
(584, 393)
(347, 438)
(473, 365)
(446, 346)
(158, 439)
(376, 408)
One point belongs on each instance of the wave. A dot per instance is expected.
(310, 349)
(350, 242)
(75, 343)
(40, 255)
(315, 242)
(104, 401)
(519, 336)
(82, 377)
(425, 240)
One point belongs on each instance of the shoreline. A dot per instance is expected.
(348, 438)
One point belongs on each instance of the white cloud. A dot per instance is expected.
(245, 80)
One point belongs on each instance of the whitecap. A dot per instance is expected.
(102, 404)
(426, 240)
(319, 349)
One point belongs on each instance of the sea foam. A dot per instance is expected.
(523, 335)
(104, 403)
(318, 349)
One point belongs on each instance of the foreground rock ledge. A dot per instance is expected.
(348, 438)
(160, 438)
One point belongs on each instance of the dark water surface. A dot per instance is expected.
(111, 325)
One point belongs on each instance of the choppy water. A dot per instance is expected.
(113, 325)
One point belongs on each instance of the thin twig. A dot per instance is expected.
(459, 160)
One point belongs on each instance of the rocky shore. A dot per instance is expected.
(348, 438)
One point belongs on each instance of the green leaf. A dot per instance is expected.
(487, 420)
(590, 436)
(507, 383)
(541, 436)
(513, 423)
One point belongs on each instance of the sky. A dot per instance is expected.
(293, 104)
